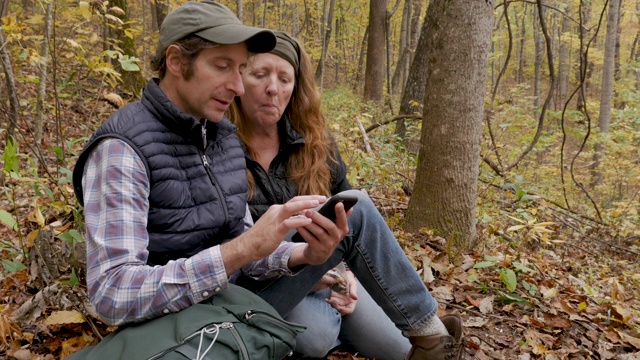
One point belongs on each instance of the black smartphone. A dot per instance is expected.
(328, 209)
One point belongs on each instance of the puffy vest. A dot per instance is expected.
(274, 186)
(198, 184)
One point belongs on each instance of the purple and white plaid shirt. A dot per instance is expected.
(122, 287)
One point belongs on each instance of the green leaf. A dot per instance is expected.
(8, 219)
(492, 258)
(58, 152)
(520, 267)
(10, 156)
(511, 298)
(73, 278)
(129, 63)
(71, 236)
(508, 277)
(12, 265)
(484, 264)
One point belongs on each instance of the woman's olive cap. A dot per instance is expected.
(213, 22)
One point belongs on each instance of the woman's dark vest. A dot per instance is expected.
(197, 177)
(274, 186)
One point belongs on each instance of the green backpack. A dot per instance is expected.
(233, 324)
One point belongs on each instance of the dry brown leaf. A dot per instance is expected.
(556, 321)
(64, 317)
(486, 305)
(114, 99)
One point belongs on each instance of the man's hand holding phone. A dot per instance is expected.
(328, 227)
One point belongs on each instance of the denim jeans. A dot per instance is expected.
(367, 329)
(377, 261)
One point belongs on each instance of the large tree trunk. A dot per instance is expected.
(606, 96)
(445, 194)
(376, 52)
(413, 93)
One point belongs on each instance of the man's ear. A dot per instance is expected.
(174, 60)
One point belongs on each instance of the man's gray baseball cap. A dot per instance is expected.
(213, 22)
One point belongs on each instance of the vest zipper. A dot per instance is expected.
(212, 178)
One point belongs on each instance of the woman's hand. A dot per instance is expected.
(345, 304)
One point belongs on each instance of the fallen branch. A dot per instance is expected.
(395, 118)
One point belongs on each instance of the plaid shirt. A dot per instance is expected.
(122, 287)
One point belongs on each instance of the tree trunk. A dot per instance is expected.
(159, 11)
(132, 81)
(539, 48)
(636, 55)
(584, 74)
(328, 21)
(404, 51)
(563, 62)
(376, 52)
(389, 57)
(363, 54)
(14, 104)
(445, 194)
(606, 96)
(240, 10)
(522, 62)
(42, 87)
(413, 93)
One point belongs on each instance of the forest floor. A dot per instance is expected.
(573, 295)
(543, 282)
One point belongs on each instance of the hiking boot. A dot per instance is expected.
(439, 347)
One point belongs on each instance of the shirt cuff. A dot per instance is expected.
(206, 274)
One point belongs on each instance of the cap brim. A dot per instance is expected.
(258, 40)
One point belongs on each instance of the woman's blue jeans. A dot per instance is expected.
(368, 330)
(377, 261)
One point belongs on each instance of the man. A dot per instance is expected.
(164, 186)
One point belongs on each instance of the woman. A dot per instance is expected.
(289, 152)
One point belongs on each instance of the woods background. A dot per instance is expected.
(499, 138)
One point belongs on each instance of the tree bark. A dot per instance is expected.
(445, 194)
(606, 96)
(539, 48)
(522, 61)
(132, 81)
(413, 93)
(14, 104)
(159, 11)
(563, 62)
(42, 87)
(240, 10)
(375, 74)
(404, 52)
(327, 22)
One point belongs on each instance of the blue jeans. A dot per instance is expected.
(377, 261)
(367, 329)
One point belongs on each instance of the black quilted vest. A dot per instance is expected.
(274, 186)
(198, 181)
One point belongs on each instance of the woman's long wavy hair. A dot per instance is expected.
(310, 166)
